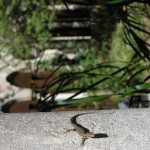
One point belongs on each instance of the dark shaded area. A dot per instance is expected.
(76, 14)
(66, 19)
(138, 102)
(71, 31)
(94, 2)
(103, 24)
(6, 108)
(11, 78)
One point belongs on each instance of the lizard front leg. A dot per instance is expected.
(83, 140)
(68, 130)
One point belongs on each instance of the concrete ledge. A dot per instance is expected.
(126, 130)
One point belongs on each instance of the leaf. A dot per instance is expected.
(136, 88)
(127, 91)
(84, 100)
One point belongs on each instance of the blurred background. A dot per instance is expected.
(72, 55)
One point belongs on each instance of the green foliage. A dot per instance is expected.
(27, 25)
(116, 96)
(125, 76)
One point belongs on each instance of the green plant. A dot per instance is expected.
(25, 26)
(120, 77)
(128, 75)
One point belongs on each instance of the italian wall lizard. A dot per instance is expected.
(84, 132)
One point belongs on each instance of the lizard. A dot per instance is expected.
(82, 131)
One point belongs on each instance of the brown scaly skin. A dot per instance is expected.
(82, 131)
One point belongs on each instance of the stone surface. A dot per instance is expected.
(126, 130)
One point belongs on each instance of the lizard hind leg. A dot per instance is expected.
(83, 140)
